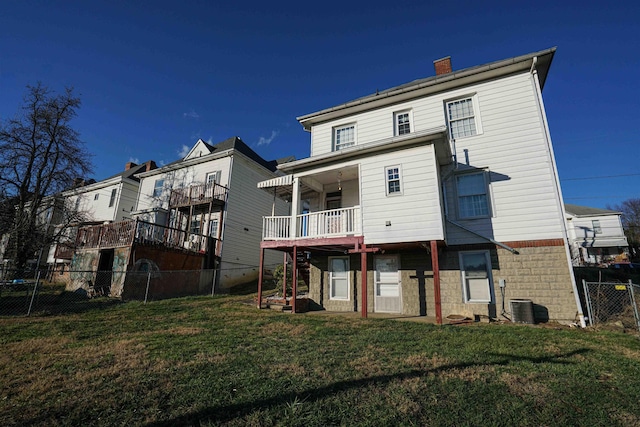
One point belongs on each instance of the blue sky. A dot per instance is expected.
(156, 76)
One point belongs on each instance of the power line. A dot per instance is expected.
(600, 177)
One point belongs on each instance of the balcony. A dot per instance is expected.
(126, 233)
(197, 195)
(321, 224)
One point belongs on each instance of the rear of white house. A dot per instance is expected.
(438, 197)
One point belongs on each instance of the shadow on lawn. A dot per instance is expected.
(225, 413)
(50, 303)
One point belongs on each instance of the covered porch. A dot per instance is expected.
(323, 204)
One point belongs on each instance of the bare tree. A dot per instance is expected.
(40, 156)
(630, 210)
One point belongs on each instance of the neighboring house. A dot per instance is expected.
(200, 212)
(596, 235)
(437, 197)
(107, 201)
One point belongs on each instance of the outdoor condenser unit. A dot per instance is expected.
(522, 311)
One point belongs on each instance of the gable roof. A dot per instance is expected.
(131, 172)
(540, 60)
(233, 143)
(577, 210)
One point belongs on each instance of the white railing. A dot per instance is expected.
(276, 227)
(334, 222)
(329, 223)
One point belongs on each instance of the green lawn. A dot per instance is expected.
(215, 361)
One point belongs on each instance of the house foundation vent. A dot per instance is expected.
(522, 311)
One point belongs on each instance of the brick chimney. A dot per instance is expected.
(443, 65)
(129, 165)
(151, 165)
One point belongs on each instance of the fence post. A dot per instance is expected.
(632, 294)
(146, 292)
(587, 300)
(33, 296)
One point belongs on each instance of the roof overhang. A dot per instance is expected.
(540, 61)
(614, 242)
(425, 136)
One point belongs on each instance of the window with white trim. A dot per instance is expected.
(112, 199)
(158, 187)
(392, 177)
(596, 226)
(402, 122)
(213, 177)
(475, 269)
(339, 278)
(95, 197)
(473, 201)
(344, 136)
(462, 117)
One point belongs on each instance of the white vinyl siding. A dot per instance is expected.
(339, 278)
(416, 216)
(475, 269)
(472, 196)
(512, 145)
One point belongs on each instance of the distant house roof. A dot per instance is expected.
(134, 169)
(587, 211)
(237, 144)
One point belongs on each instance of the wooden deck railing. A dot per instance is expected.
(198, 194)
(125, 233)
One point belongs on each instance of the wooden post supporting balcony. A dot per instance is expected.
(294, 279)
(436, 280)
(260, 271)
(363, 268)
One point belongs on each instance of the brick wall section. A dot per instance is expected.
(540, 273)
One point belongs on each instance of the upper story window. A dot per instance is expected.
(596, 226)
(157, 188)
(472, 195)
(213, 177)
(95, 197)
(112, 199)
(393, 180)
(344, 136)
(402, 122)
(463, 117)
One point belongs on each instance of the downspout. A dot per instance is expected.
(489, 239)
(559, 198)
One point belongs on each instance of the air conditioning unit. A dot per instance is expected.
(522, 311)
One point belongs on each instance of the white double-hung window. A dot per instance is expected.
(158, 187)
(339, 277)
(475, 268)
(402, 122)
(393, 180)
(473, 200)
(463, 117)
(344, 136)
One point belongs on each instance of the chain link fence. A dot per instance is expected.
(613, 303)
(40, 292)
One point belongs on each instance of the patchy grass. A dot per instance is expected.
(215, 361)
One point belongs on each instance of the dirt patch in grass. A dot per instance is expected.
(183, 330)
(526, 387)
(426, 362)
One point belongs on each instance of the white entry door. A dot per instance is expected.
(387, 287)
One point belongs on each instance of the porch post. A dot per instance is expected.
(295, 208)
(284, 277)
(260, 271)
(363, 270)
(436, 280)
(294, 279)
